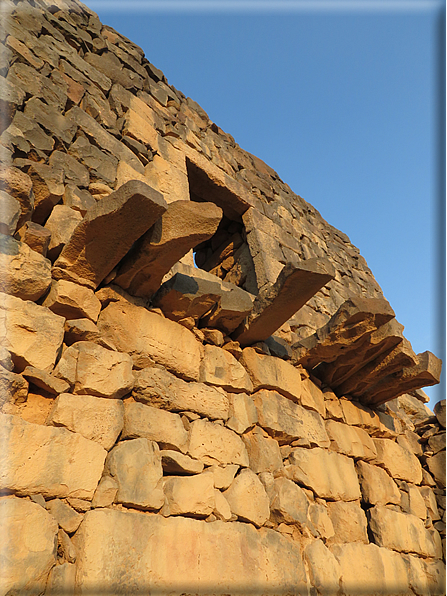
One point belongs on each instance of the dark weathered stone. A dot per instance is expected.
(352, 323)
(100, 164)
(32, 82)
(73, 170)
(32, 132)
(380, 342)
(111, 66)
(78, 199)
(51, 119)
(187, 296)
(385, 364)
(427, 371)
(107, 233)
(11, 97)
(274, 305)
(184, 225)
(48, 188)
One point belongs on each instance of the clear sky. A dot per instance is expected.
(344, 99)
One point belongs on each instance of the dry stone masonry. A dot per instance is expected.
(203, 388)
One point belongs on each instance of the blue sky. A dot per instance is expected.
(342, 99)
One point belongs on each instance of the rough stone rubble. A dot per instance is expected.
(203, 387)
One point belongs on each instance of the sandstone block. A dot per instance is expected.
(154, 424)
(9, 214)
(222, 508)
(72, 301)
(48, 188)
(247, 498)
(18, 185)
(288, 503)
(93, 370)
(330, 475)
(23, 272)
(412, 501)
(234, 558)
(136, 467)
(233, 306)
(61, 580)
(324, 569)
(74, 171)
(350, 440)
(35, 236)
(354, 321)
(107, 232)
(430, 501)
(437, 442)
(171, 181)
(223, 476)
(349, 522)
(398, 461)
(212, 443)
(62, 224)
(191, 496)
(439, 411)
(242, 413)
(312, 397)
(357, 414)
(66, 516)
(263, 452)
(94, 418)
(221, 368)
(268, 372)
(400, 531)
(31, 333)
(436, 465)
(378, 488)
(13, 388)
(150, 338)
(184, 225)
(377, 571)
(105, 492)
(45, 381)
(320, 524)
(78, 199)
(174, 462)
(184, 296)
(28, 546)
(287, 421)
(276, 303)
(158, 387)
(84, 330)
(52, 461)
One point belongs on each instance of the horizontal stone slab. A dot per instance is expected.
(218, 558)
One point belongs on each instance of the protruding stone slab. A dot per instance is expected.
(184, 225)
(47, 460)
(28, 546)
(149, 338)
(157, 387)
(107, 232)
(23, 272)
(382, 341)
(45, 381)
(355, 320)
(426, 372)
(31, 333)
(225, 558)
(275, 304)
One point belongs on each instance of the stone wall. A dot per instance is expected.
(204, 390)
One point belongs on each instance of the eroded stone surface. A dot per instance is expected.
(28, 546)
(212, 444)
(47, 460)
(247, 498)
(72, 301)
(220, 368)
(398, 461)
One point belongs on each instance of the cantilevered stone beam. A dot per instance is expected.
(353, 322)
(107, 233)
(426, 372)
(184, 225)
(275, 304)
(393, 361)
(184, 296)
(379, 343)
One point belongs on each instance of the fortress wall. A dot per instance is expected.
(253, 423)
